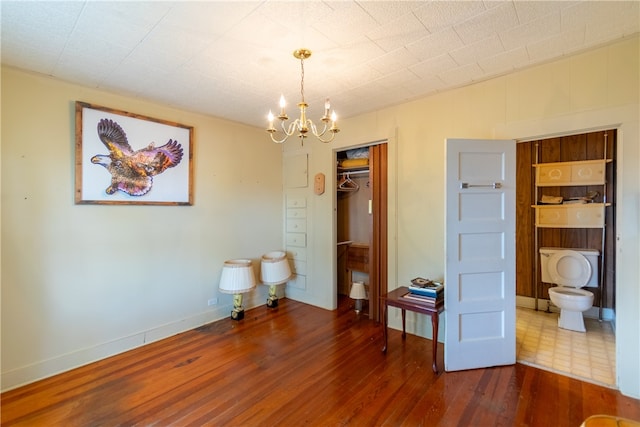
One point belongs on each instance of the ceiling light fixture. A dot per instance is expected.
(303, 125)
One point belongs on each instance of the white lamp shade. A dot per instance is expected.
(358, 291)
(274, 268)
(237, 277)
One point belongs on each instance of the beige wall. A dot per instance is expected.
(61, 307)
(596, 89)
(82, 282)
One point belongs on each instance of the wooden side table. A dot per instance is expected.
(395, 299)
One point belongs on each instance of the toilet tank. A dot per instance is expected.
(590, 254)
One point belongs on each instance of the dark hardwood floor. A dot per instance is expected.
(301, 365)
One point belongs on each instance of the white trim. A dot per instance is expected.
(56, 365)
(392, 209)
(415, 323)
(608, 314)
(583, 122)
(625, 120)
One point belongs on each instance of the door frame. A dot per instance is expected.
(621, 119)
(378, 248)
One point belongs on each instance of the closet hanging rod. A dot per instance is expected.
(352, 172)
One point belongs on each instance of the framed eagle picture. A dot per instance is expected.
(129, 159)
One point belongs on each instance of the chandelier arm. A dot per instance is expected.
(292, 127)
(287, 132)
(333, 135)
(319, 136)
(278, 141)
(315, 130)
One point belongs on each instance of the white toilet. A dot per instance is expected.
(571, 270)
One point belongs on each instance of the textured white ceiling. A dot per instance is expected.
(233, 59)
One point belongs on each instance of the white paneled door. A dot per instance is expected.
(480, 254)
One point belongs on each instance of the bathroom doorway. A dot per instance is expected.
(590, 355)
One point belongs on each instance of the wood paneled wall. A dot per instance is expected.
(589, 146)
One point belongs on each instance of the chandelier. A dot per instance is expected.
(303, 125)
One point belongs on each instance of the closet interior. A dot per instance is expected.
(354, 223)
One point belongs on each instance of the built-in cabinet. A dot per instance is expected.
(567, 167)
(296, 181)
(296, 240)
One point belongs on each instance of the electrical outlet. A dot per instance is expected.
(212, 301)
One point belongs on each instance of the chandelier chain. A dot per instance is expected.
(302, 78)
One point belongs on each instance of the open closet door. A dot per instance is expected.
(378, 253)
(480, 254)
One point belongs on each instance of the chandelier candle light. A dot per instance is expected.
(303, 125)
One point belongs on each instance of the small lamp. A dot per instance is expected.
(237, 278)
(358, 293)
(274, 270)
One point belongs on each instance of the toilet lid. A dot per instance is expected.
(569, 268)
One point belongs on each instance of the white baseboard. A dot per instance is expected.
(416, 323)
(56, 365)
(47, 368)
(421, 325)
(608, 314)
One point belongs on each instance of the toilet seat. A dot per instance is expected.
(569, 268)
(565, 291)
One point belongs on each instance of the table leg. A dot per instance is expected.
(384, 329)
(404, 333)
(434, 340)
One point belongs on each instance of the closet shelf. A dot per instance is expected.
(572, 162)
(587, 215)
(568, 205)
(566, 174)
(583, 172)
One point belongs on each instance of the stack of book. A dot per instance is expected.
(426, 290)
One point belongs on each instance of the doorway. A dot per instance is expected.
(540, 342)
(361, 224)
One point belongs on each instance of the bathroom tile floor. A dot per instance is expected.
(588, 356)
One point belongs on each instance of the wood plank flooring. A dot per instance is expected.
(301, 365)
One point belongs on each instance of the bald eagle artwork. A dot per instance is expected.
(132, 171)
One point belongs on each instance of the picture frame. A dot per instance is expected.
(123, 158)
